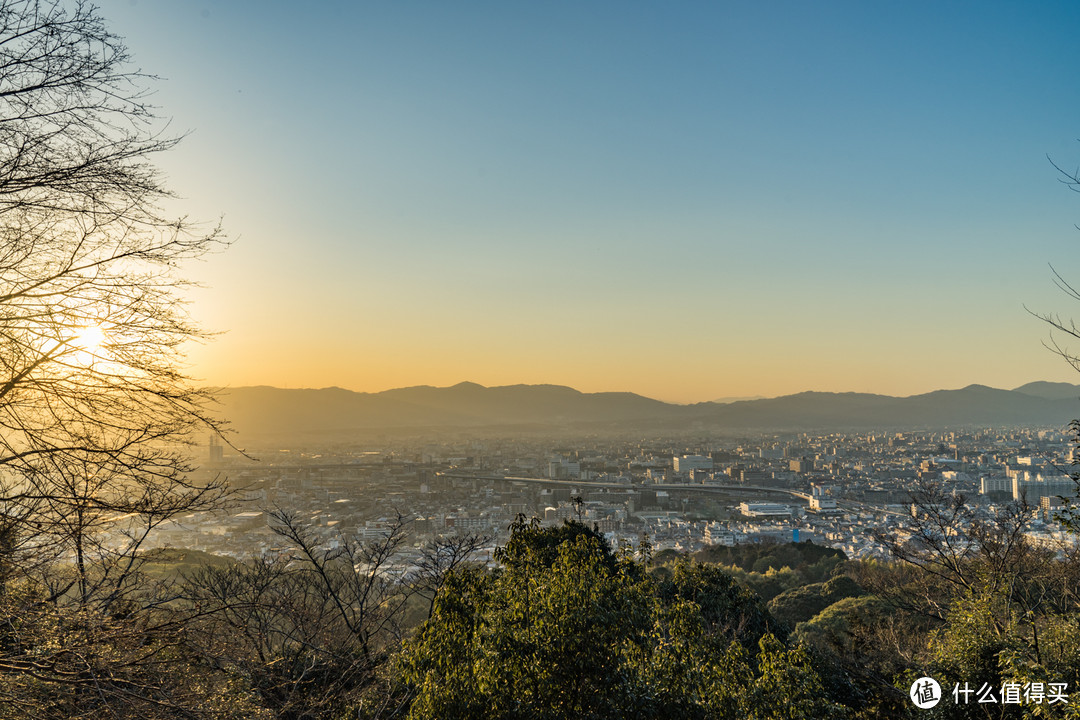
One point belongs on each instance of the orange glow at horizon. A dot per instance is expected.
(689, 378)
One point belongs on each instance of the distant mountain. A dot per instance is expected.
(531, 403)
(726, 400)
(269, 412)
(1051, 390)
(971, 406)
(266, 413)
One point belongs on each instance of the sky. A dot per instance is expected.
(690, 201)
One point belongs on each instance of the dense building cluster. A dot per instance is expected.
(832, 489)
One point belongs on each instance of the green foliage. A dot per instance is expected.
(567, 629)
(726, 608)
(969, 644)
(835, 627)
(798, 604)
(541, 638)
(769, 584)
(666, 556)
(985, 641)
(841, 587)
(857, 645)
(1057, 660)
(442, 662)
(770, 569)
(760, 557)
(787, 686)
(803, 603)
(823, 568)
(532, 546)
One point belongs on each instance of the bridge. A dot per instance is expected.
(592, 484)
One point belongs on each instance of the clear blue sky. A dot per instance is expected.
(687, 200)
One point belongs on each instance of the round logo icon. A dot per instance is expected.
(925, 693)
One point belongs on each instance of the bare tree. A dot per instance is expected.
(91, 321)
(1060, 326)
(439, 560)
(311, 625)
(962, 550)
(314, 624)
(92, 324)
(96, 412)
(1062, 330)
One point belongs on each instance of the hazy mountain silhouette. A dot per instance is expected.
(267, 412)
(273, 412)
(726, 400)
(973, 405)
(1051, 390)
(531, 403)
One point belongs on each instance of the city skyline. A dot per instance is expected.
(726, 200)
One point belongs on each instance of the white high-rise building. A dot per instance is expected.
(686, 463)
(988, 485)
(1034, 488)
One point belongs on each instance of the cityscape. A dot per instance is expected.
(832, 489)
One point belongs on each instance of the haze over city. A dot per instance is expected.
(727, 199)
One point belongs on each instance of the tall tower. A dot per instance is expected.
(217, 452)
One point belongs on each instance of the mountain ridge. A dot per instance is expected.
(269, 412)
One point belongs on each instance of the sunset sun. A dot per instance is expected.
(90, 338)
(88, 343)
